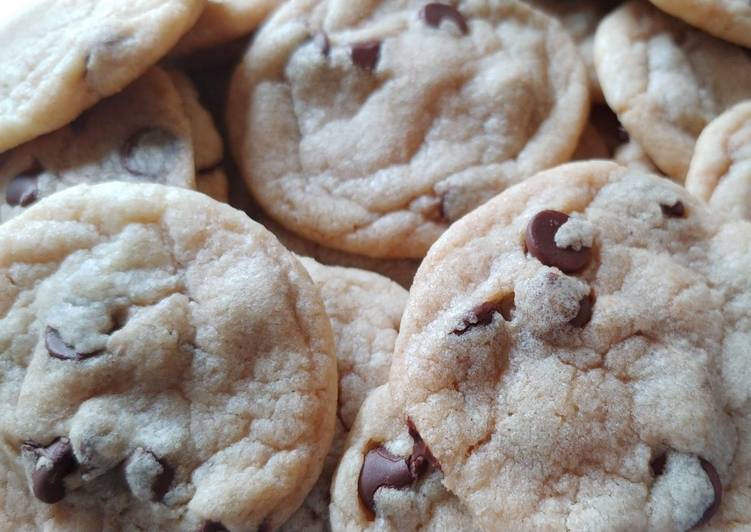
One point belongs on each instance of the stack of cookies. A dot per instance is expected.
(388, 265)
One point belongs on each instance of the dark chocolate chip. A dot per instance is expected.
(212, 526)
(677, 210)
(658, 464)
(148, 152)
(585, 312)
(421, 456)
(714, 478)
(321, 40)
(163, 481)
(478, 316)
(540, 240)
(53, 463)
(57, 348)
(435, 12)
(381, 469)
(22, 189)
(366, 54)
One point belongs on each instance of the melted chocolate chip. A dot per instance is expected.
(676, 210)
(714, 478)
(148, 152)
(366, 54)
(381, 469)
(321, 40)
(22, 189)
(212, 526)
(585, 312)
(435, 12)
(53, 463)
(657, 465)
(57, 348)
(421, 456)
(477, 317)
(540, 240)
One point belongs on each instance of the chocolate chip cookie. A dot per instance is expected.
(666, 81)
(370, 127)
(60, 58)
(720, 171)
(365, 310)
(575, 355)
(223, 21)
(726, 19)
(140, 134)
(388, 479)
(166, 364)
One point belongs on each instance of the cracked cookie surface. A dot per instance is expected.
(577, 348)
(666, 80)
(60, 56)
(141, 134)
(720, 171)
(165, 363)
(365, 310)
(726, 19)
(371, 126)
(413, 499)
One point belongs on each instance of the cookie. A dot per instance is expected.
(726, 19)
(580, 18)
(632, 155)
(365, 310)
(60, 58)
(666, 81)
(208, 148)
(577, 348)
(370, 127)
(166, 363)
(720, 171)
(386, 481)
(223, 21)
(140, 134)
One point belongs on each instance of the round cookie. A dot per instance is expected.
(720, 171)
(632, 155)
(223, 21)
(385, 480)
(577, 348)
(365, 310)
(61, 57)
(666, 80)
(166, 363)
(726, 19)
(580, 18)
(140, 134)
(208, 148)
(369, 127)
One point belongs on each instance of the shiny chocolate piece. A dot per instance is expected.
(53, 463)
(381, 469)
(585, 312)
(435, 12)
(540, 240)
(366, 54)
(57, 348)
(714, 478)
(677, 210)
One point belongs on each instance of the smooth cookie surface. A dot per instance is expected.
(370, 126)
(166, 364)
(60, 57)
(577, 349)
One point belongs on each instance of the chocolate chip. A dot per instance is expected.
(421, 456)
(381, 469)
(52, 464)
(57, 348)
(212, 526)
(585, 312)
(677, 210)
(22, 189)
(478, 316)
(658, 464)
(540, 240)
(366, 54)
(435, 13)
(321, 40)
(163, 481)
(148, 152)
(714, 478)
